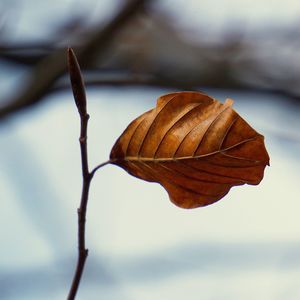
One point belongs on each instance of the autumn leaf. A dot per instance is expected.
(194, 146)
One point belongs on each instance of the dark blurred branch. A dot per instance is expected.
(26, 54)
(149, 80)
(47, 71)
(158, 80)
(153, 53)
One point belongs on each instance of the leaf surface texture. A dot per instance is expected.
(194, 146)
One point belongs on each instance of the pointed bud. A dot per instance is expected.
(77, 82)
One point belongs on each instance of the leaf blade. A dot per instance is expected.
(194, 146)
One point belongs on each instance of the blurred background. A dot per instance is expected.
(142, 247)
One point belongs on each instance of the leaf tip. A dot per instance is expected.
(228, 102)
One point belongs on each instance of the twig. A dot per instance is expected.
(80, 100)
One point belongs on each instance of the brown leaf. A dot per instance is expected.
(194, 146)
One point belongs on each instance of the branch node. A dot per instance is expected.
(82, 139)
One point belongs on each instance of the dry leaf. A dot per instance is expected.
(194, 146)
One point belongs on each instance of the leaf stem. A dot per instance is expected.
(92, 173)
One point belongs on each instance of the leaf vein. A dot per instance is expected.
(175, 123)
(153, 121)
(209, 127)
(197, 179)
(135, 130)
(171, 181)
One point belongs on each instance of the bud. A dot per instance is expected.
(77, 82)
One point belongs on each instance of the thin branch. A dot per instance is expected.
(79, 94)
(80, 100)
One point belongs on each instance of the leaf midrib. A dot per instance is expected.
(167, 159)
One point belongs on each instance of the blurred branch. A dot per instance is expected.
(159, 80)
(27, 54)
(47, 71)
(152, 52)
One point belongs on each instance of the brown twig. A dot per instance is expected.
(80, 100)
